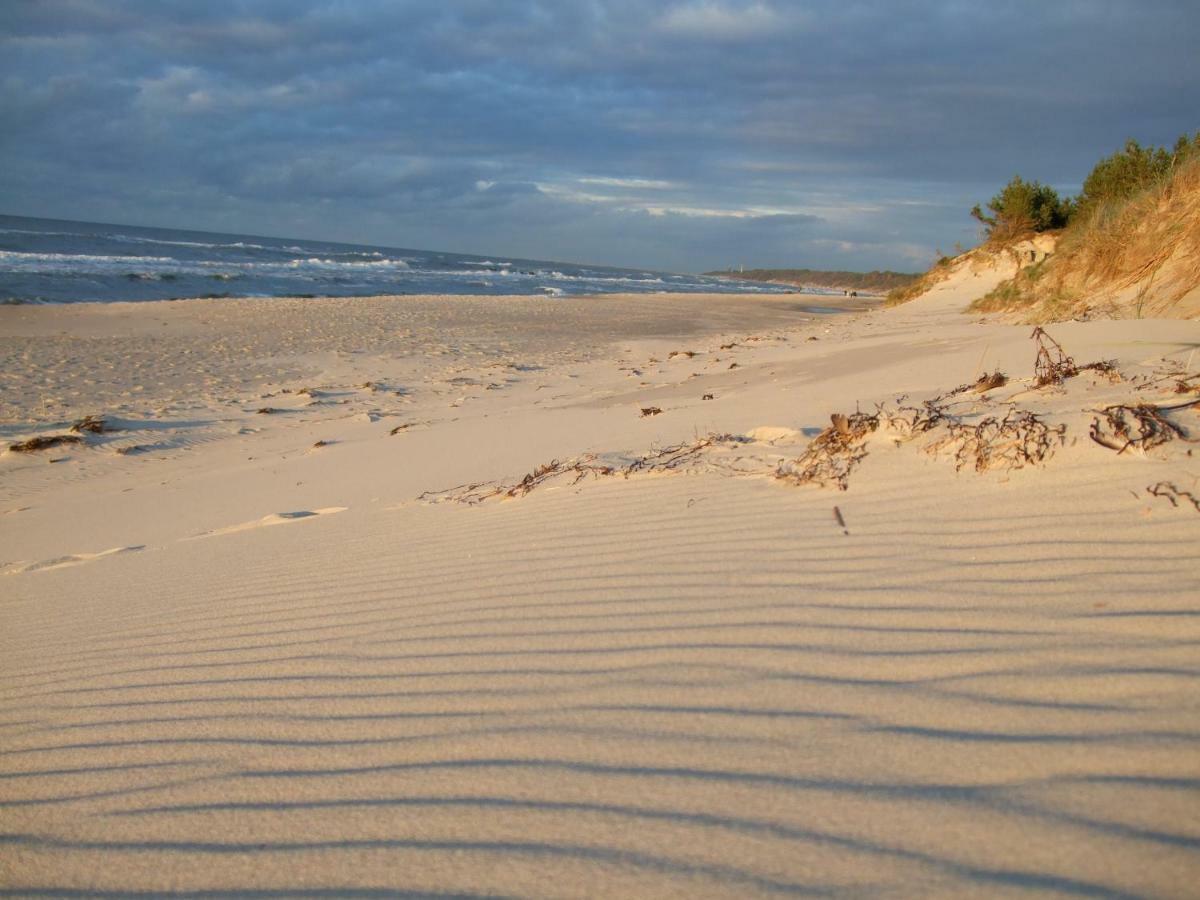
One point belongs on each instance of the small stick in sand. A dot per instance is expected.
(837, 514)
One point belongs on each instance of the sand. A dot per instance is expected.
(237, 663)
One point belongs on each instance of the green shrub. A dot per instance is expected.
(1132, 169)
(1021, 207)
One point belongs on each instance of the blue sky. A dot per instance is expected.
(683, 135)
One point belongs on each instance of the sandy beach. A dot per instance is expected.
(522, 596)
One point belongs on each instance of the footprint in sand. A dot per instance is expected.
(63, 562)
(282, 518)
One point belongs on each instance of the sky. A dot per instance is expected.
(682, 136)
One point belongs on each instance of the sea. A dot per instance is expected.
(59, 261)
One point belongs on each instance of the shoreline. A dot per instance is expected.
(531, 597)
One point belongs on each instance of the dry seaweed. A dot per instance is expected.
(1141, 426)
(1052, 365)
(833, 453)
(44, 442)
(650, 411)
(92, 425)
(987, 382)
(1020, 439)
(1175, 495)
(906, 422)
(676, 458)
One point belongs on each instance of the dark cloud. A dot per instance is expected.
(686, 135)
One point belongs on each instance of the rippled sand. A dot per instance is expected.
(238, 663)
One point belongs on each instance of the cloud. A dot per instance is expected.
(642, 132)
(719, 21)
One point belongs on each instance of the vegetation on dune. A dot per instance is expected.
(1121, 246)
(1130, 171)
(1022, 207)
(1137, 209)
(1029, 207)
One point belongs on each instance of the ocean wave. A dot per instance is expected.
(82, 262)
(329, 263)
(18, 257)
(99, 264)
(233, 245)
(45, 233)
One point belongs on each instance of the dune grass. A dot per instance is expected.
(1121, 245)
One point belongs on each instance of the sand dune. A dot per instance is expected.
(695, 682)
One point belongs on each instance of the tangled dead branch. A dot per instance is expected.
(1142, 427)
(1019, 439)
(833, 454)
(1175, 495)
